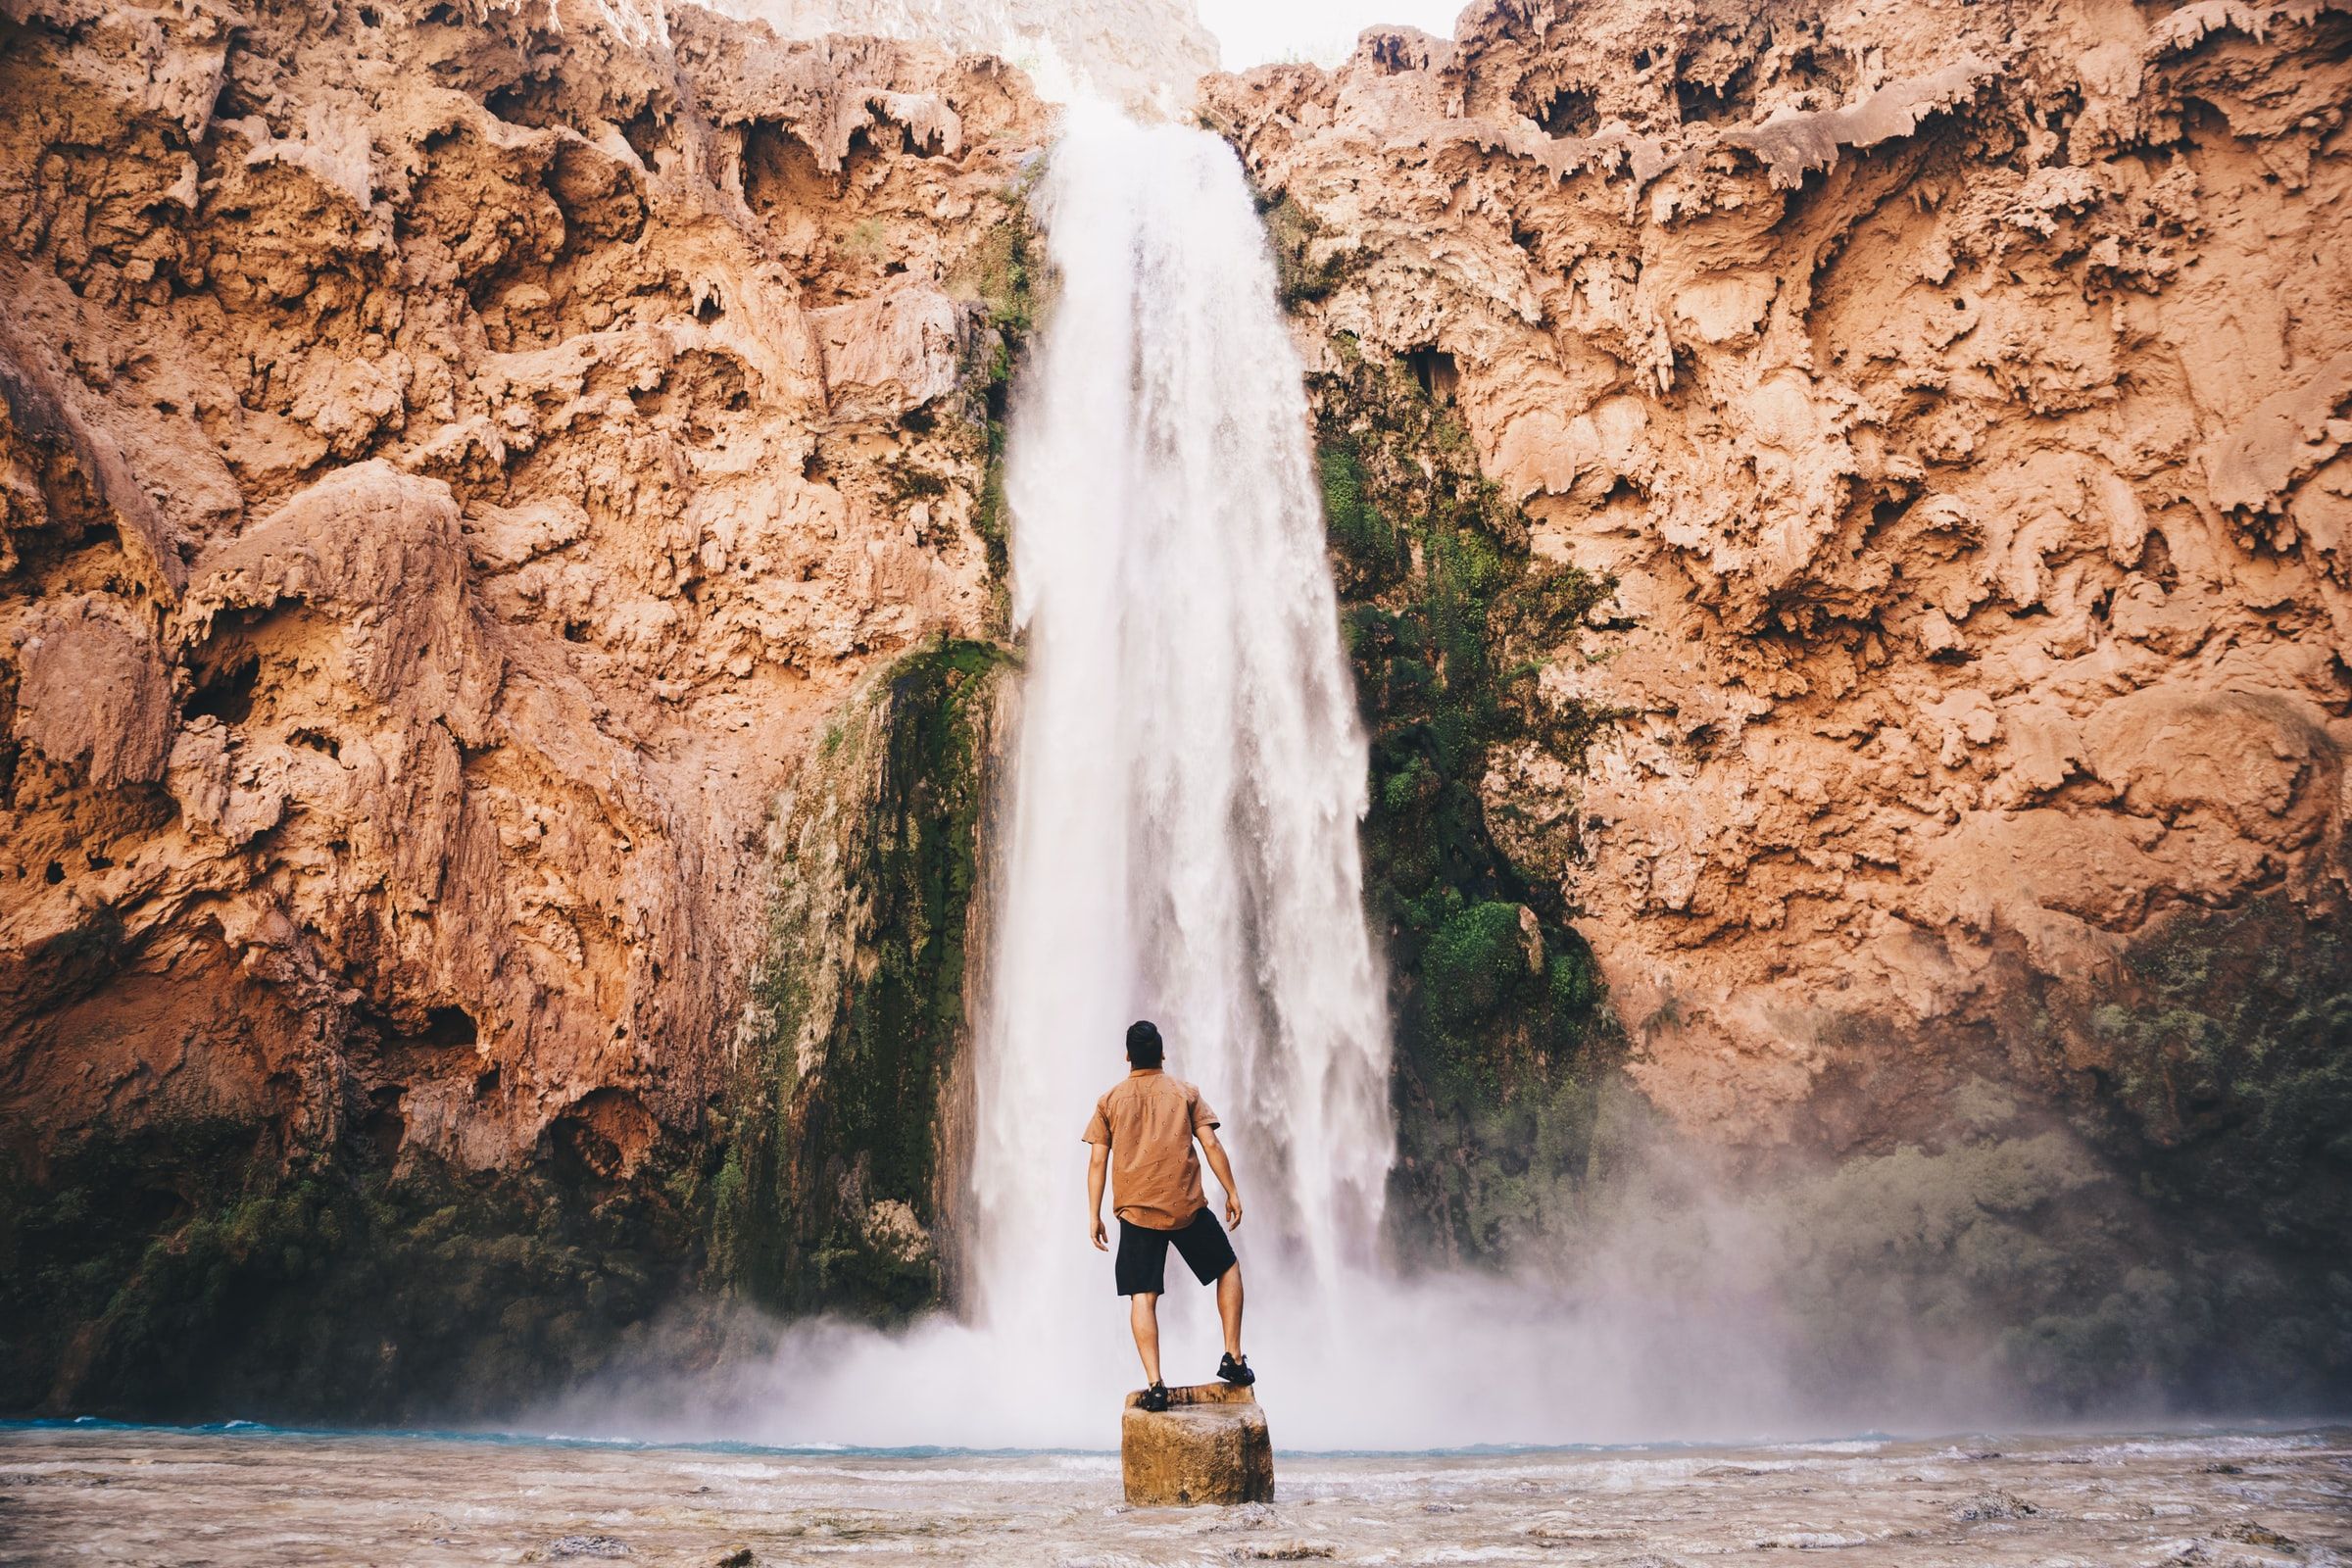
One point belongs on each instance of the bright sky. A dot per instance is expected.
(1254, 32)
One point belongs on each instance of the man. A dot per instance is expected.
(1142, 1132)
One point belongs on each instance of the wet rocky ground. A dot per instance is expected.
(92, 1494)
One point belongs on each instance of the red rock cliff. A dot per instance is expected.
(454, 466)
(1956, 398)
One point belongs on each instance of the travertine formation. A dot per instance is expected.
(1145, 54)
(455, 463)
(1957, 399)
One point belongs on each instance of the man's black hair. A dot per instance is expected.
(1143, 1043)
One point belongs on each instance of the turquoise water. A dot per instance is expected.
(263, 1430)
(508, 1438)
(559, 1440)
(241, 1493)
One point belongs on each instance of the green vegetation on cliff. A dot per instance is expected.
(1001, 278)
(832, 1187)
(2227, 1093)
(2141, 1197)
(2165, 1222)
(1499, 1021)
(2233, 1044)
(196, 1267)
(185, 1269)
(1308, 266)
(209, 1266)
(831, 1191)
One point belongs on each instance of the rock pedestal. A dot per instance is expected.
(1208, 1445)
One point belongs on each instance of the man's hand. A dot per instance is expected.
(1101, 1240)
(1224, 1169)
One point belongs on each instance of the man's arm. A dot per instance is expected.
(1097, 1166)
(1224, 1169)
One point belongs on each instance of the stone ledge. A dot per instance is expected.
(1210, 1446)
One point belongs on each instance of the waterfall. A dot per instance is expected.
(1182, 840)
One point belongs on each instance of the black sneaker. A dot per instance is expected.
(1156, 1397)
(1236, 1371)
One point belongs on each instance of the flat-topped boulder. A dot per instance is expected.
(1208, 1445)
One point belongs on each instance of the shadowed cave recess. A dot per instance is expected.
(506, 677)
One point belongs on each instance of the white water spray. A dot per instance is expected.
(1191, 772)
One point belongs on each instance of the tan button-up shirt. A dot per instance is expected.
(1147, 1122)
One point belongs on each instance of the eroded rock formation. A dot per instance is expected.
(1952, 404)
(1955, 400)
(457, 459)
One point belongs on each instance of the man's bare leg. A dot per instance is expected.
(1229, 1308)
(1143, 1316)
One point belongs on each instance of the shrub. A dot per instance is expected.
(1474, 963)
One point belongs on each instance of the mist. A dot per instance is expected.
(1922, 1291)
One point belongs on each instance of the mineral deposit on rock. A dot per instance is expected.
(453, 462)
(1957, 399)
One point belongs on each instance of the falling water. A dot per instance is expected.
(1191, 772)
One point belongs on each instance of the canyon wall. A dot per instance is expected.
(1898, 453)
(1839, 517)
(459, 462)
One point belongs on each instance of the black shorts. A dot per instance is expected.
(1143, 1266)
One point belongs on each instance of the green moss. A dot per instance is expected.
(910, 481)
(2231, 1044)
(1000, 277)
(1446, 618)
(2168, 1225)
(991, 518)
(863, 981)
(1572, 983)
(1472, 965)
(2224, 1087)
(1357, 530)
(185, 1269)
(1307, 269)
(2015, 1250)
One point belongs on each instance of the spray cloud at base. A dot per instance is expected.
(2007, 1279)
(1689, 1307)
